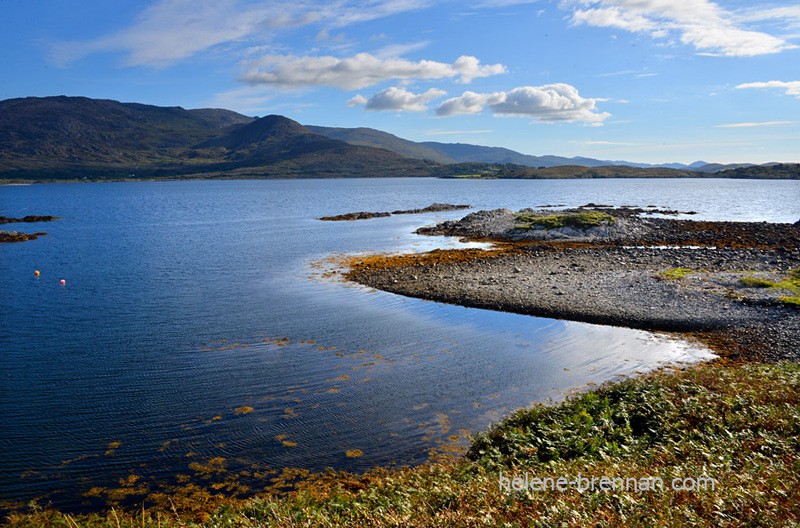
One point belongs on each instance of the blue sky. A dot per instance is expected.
(640, 80)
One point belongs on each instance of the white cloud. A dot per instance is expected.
(397, 99)
(762, 124)
(468, 103)
(789, 14)
(357, 101)
(549, 103)
(791, 87)
(358, 71)
(169, 31)
(700, 23)
(396, 50)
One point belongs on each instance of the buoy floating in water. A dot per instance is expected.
(63, 281)
(36, 273)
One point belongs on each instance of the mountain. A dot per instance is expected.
(468, 153)
(70, 138)
(369, 137)
(74, 129)
(73, 137)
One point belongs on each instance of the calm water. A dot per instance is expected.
(187, 304)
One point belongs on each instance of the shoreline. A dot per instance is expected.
(683, 276)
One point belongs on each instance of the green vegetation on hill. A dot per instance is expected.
(728, 435)
(609, 171)
(369, 137)
(75, 138)
(781, 171)
(72, 138)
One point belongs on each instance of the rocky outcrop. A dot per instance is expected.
(433, 208)
(29, 218)
(16, 236)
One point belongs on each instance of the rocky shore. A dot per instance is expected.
(730, 285)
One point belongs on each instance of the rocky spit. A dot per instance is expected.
(365, 215)
(648, 273)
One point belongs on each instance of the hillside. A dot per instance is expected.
(608, 171)
(369, 137)
(780, 171)
(55, 138)
(462, 152)
(76, 138)
(478, 170)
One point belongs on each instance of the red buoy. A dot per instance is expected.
(63, 281)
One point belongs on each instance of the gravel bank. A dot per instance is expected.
(607, 283)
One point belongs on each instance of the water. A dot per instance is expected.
(187, 304)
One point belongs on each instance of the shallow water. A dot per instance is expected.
(187, 304)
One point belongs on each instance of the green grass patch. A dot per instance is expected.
(466, 176)
(791, 282)
(677, 273)
(791, 301)
(581, 220)
(737, 425)
(752, 282)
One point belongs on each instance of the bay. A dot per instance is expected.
(196, 323)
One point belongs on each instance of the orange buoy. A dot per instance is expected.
(36, 273)
(63, 281)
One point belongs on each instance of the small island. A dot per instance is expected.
(364, 215)
(18, 236)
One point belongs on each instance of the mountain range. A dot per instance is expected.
(69, 138)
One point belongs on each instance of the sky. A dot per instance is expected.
(650, 81)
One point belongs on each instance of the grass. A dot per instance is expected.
(677, 273)
(738, 425)
(581, 220)
(790, 301)
(791, 282)
(752, 282)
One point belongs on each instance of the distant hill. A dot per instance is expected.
(463, 152)
(74, 137)
(468, 153)
(510, 171)
(778, 171)
(369, 137)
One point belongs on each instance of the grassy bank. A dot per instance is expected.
(738, 425)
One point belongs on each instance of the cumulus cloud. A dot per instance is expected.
(700, 23)
(397, 99)
(359, 71)
(357, 101)
(468, 103)
(549, 103)
(791, 87)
